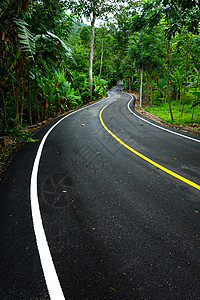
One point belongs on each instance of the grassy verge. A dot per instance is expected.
(162, 110)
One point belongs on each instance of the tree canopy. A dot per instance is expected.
(53, 61)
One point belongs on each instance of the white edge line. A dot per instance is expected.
(165, 129)
(51, 277)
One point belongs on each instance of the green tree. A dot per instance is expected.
(92, 10)
(24, 56)
(174, 15)
(146, 50)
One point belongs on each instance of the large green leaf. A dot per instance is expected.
(67, 49)
(26, 39)
(51, 35)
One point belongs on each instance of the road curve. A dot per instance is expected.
(117, 226)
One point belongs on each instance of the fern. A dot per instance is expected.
(26, 38)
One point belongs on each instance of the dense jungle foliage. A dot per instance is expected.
(46, 54)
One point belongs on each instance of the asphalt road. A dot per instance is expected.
(117, 225)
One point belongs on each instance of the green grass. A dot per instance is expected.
(162, 111)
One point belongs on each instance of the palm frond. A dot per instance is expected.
(26, 39)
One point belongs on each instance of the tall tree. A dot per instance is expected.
(92, 10)
(175, 14)
(21, 23)
(145, 49)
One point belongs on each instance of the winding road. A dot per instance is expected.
(113, 201)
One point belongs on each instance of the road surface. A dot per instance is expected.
(119, 203)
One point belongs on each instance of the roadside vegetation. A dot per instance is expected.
(52, 61)
(188, 118)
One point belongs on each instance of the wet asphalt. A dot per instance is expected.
(117, 226)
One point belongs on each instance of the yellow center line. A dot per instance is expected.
(181, 178)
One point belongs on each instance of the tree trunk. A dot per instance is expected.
(22, 100)
(141, 87)
(26, 5)
(181, 93)
(15, 96)
(167, 90)
(101, 59)
(4, 108)
(147, 99)
(186, 72)
(196, 87)
(151, 90)
(29, 95)
(17, 100)
(36, 98)
(22, 82)
(91, 55)
(151, 84)
(174, 93)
